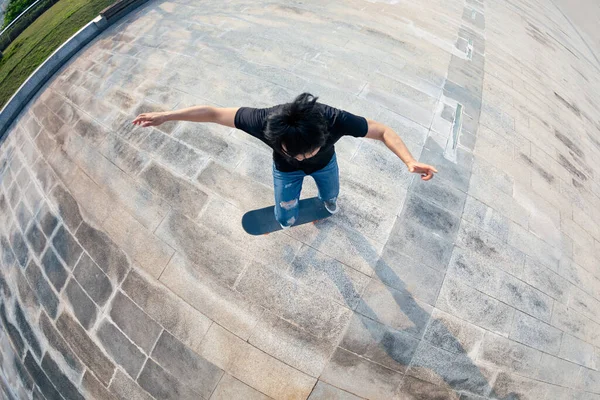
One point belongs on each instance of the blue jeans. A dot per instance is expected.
(288, 186)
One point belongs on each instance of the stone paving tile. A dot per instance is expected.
(93, 388)
(131, 236)
(211, 298)
(328, 276)
(291, 300)
(443, 368)
(212, 140)
(383, 191)
(404, 274)
(291, 344)
(546, 280)
(93, 280)
(507, 385)
(379, 343)
(591, 381)
(33, 197)
(85, 348)
(534, 333)
(409, 238)
(573, 323)
(120, 348)
(499, 201)
(66, 247)
(231, 388)
(557, 371)
(474, 306)
(366, 218)
(412, 388)
(62, 384)
(23, 215)
(181, 194)
(42, 288)
(577, 351)
(504, 353)
(124, 155)
(13, 333)
(122, 387)
(41, 380)
(67, 207)
(26, 295)
(472, 270)
(342, 243)
(192, 370)
(139, 201)
(175, 154)
(240, 359)
(95, 202)
(534, 247)
(491, 250)
(167, 309)
(163, 385)
(395, 308)
(433, 218)
(58, 344)
(365, 378)
(585, 304)
(224, 219)
(107, 255)
(136, 324)
(83, 307)
(30, 336)
(453, 334)
(201, 246)
(441, 194)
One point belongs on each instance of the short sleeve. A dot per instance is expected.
(252, 120)
(346, 124)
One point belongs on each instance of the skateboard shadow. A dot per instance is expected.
(459, 374)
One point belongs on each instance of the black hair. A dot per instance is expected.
(299, 125)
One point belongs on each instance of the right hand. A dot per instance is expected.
(150, 119)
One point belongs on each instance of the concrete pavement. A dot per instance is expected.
(126, 272)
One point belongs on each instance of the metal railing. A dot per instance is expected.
(26, 18)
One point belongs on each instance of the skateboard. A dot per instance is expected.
(262, 221)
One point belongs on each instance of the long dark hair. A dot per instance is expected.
(299, 125)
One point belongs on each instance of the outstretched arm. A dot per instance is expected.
(391, 139)
(222, 116)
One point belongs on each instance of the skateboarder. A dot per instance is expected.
(302, 135)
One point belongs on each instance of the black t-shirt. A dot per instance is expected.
(340, 123)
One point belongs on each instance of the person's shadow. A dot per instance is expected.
(459, 373)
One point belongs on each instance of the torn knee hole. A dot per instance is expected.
(288, 205)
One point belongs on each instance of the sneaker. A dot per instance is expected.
(331, 206)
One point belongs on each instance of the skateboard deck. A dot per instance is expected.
(262, 221)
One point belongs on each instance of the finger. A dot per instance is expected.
(427, 176)
(145, 124)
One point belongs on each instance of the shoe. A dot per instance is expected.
(331, 206)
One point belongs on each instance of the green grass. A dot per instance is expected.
(41, 38)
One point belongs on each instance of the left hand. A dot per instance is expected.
(425, 170)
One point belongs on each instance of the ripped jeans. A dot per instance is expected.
(288, 186)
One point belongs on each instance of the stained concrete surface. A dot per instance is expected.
(126, 273)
